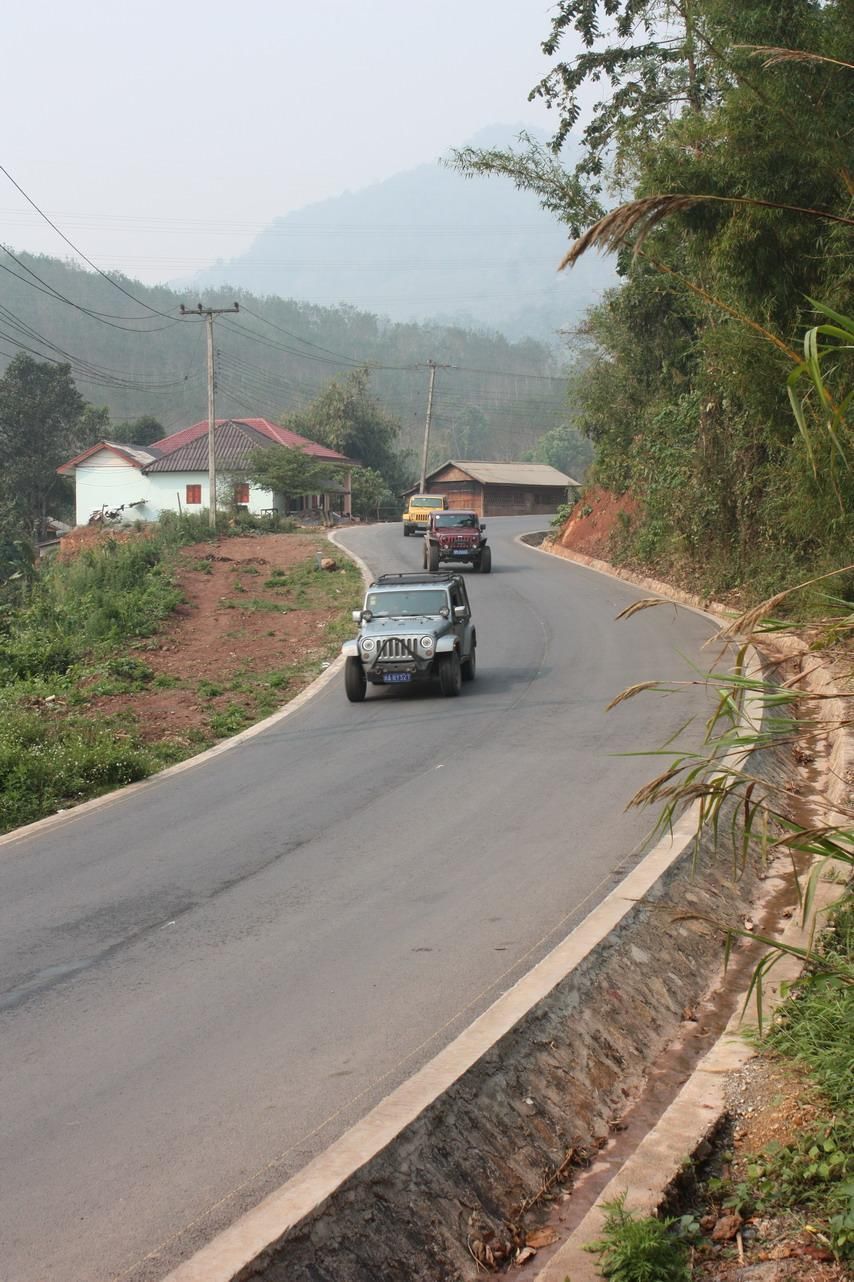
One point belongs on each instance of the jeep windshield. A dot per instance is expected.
(457, 521)
(400, 603)
(426, 500)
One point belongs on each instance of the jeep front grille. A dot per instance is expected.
(397, 648)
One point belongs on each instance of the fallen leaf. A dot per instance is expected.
(541, 1237)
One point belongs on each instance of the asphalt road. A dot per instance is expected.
(205, 983)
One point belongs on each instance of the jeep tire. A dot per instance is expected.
(450, 674)
(355, 681)
(432, 558)
(485, 561)
(469, 665)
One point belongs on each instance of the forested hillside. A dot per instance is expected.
(139, 358)
(748, 109)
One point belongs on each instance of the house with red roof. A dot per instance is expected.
(138, 483)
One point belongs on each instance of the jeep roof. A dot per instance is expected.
(406, 588)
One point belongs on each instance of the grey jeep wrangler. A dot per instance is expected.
(412, 627)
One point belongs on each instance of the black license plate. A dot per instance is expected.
(390, 677)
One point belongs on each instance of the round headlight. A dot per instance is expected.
(426, 643)
(368, 644)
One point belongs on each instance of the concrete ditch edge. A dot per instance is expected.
(646, 1178)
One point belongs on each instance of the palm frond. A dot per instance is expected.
(747, 623)
(774, 55)
(637, 218)
(646, 604)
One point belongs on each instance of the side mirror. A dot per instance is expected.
(459, 611)
(482, 526)
(357, 616)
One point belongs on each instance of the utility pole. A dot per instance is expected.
(432, 366)
(209, 313)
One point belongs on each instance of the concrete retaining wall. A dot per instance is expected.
(458, 1172)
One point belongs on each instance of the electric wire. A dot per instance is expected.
(79, 252)
(104, 318)
(83, 368)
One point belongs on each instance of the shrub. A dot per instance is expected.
(634, 1249)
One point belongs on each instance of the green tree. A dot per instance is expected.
(370, 493)
(141, 431)
(94, 425)
(565, 448)
(347, 418)
(739, 170)
(41, 413)
(289, 472)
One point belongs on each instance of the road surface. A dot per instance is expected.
(205, 983)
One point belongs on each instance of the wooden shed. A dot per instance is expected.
(499, 489)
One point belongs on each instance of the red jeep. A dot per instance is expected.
(456, 536)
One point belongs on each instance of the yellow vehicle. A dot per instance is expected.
(416, 518)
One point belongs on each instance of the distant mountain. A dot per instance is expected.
(426, 244)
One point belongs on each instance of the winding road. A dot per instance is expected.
(207, 980)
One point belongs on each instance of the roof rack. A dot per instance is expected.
(421, 576)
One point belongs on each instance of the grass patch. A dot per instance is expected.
(49, 760)
(813, 1176)
(228, 721)
(67, 637)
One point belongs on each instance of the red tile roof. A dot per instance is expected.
(235, 443)
(273, 432)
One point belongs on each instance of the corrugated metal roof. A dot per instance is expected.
(134, 454)
(519, 474)
(270, 431)
(140, 454)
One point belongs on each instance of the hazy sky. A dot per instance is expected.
(162, 135)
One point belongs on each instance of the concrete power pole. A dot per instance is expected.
(432, 366)
(209, 313)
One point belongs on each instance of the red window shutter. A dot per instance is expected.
(241, 492)
(194, 494)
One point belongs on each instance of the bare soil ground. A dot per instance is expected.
(249, 636)
(770, 1101)
(595, 521)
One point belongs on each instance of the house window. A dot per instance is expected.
(241, 493)
(194, 494)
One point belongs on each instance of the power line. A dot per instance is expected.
(105, 318)
(79, 252)
(307, 342)
(83, 368)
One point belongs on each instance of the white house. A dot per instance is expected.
(138, 483)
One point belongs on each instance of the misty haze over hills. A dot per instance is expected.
(426, 244)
